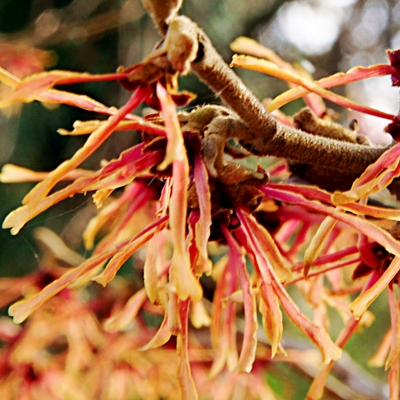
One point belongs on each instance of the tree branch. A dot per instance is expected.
(271, 137)
(162, 12)
(316, 154)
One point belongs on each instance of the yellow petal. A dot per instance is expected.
(317, 243)
(362, 302)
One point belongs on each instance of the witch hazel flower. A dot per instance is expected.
(183, 190)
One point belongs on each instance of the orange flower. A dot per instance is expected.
(185, 204)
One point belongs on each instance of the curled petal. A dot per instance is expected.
(368, 228)
(253, 48)
(126, 252)
(269, 247)
(22, 309)
(394, 380)
(28, 89)
(175, 147)
(353, 75)
(378, 359)
(92, 144)
(362, 302)
(223, 328)
(184, 281)
(388, 160)
(315, 193)
(318, 335)
(8, 78)
(317, 243)
(199, 316)
(88, 127)
(127, 163)
(11, 173)
(150, 274)
(203, 226)
(272, 315)
(318, 385)
(373, 186)
(187, 385)
(124, 317)
(161, 337)
(395, 319)
(248, 353)
(17, 219)
(271, 318)
(376, 177)
(272, 69)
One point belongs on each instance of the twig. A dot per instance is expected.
(322, 159)
(271, 137)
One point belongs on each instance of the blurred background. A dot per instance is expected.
(97, 36)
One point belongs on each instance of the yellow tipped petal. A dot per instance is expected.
(317, 243)
(22, 309)
(272, 69)
(362, 302)
(17, 219)
(119, 259)
(124, 317)
(184, 282)
(14, 173)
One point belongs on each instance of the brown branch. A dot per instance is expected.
(162, 12)
(212, 69)
(322, 159)
(271, 137)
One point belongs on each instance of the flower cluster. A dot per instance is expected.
(211, 224)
